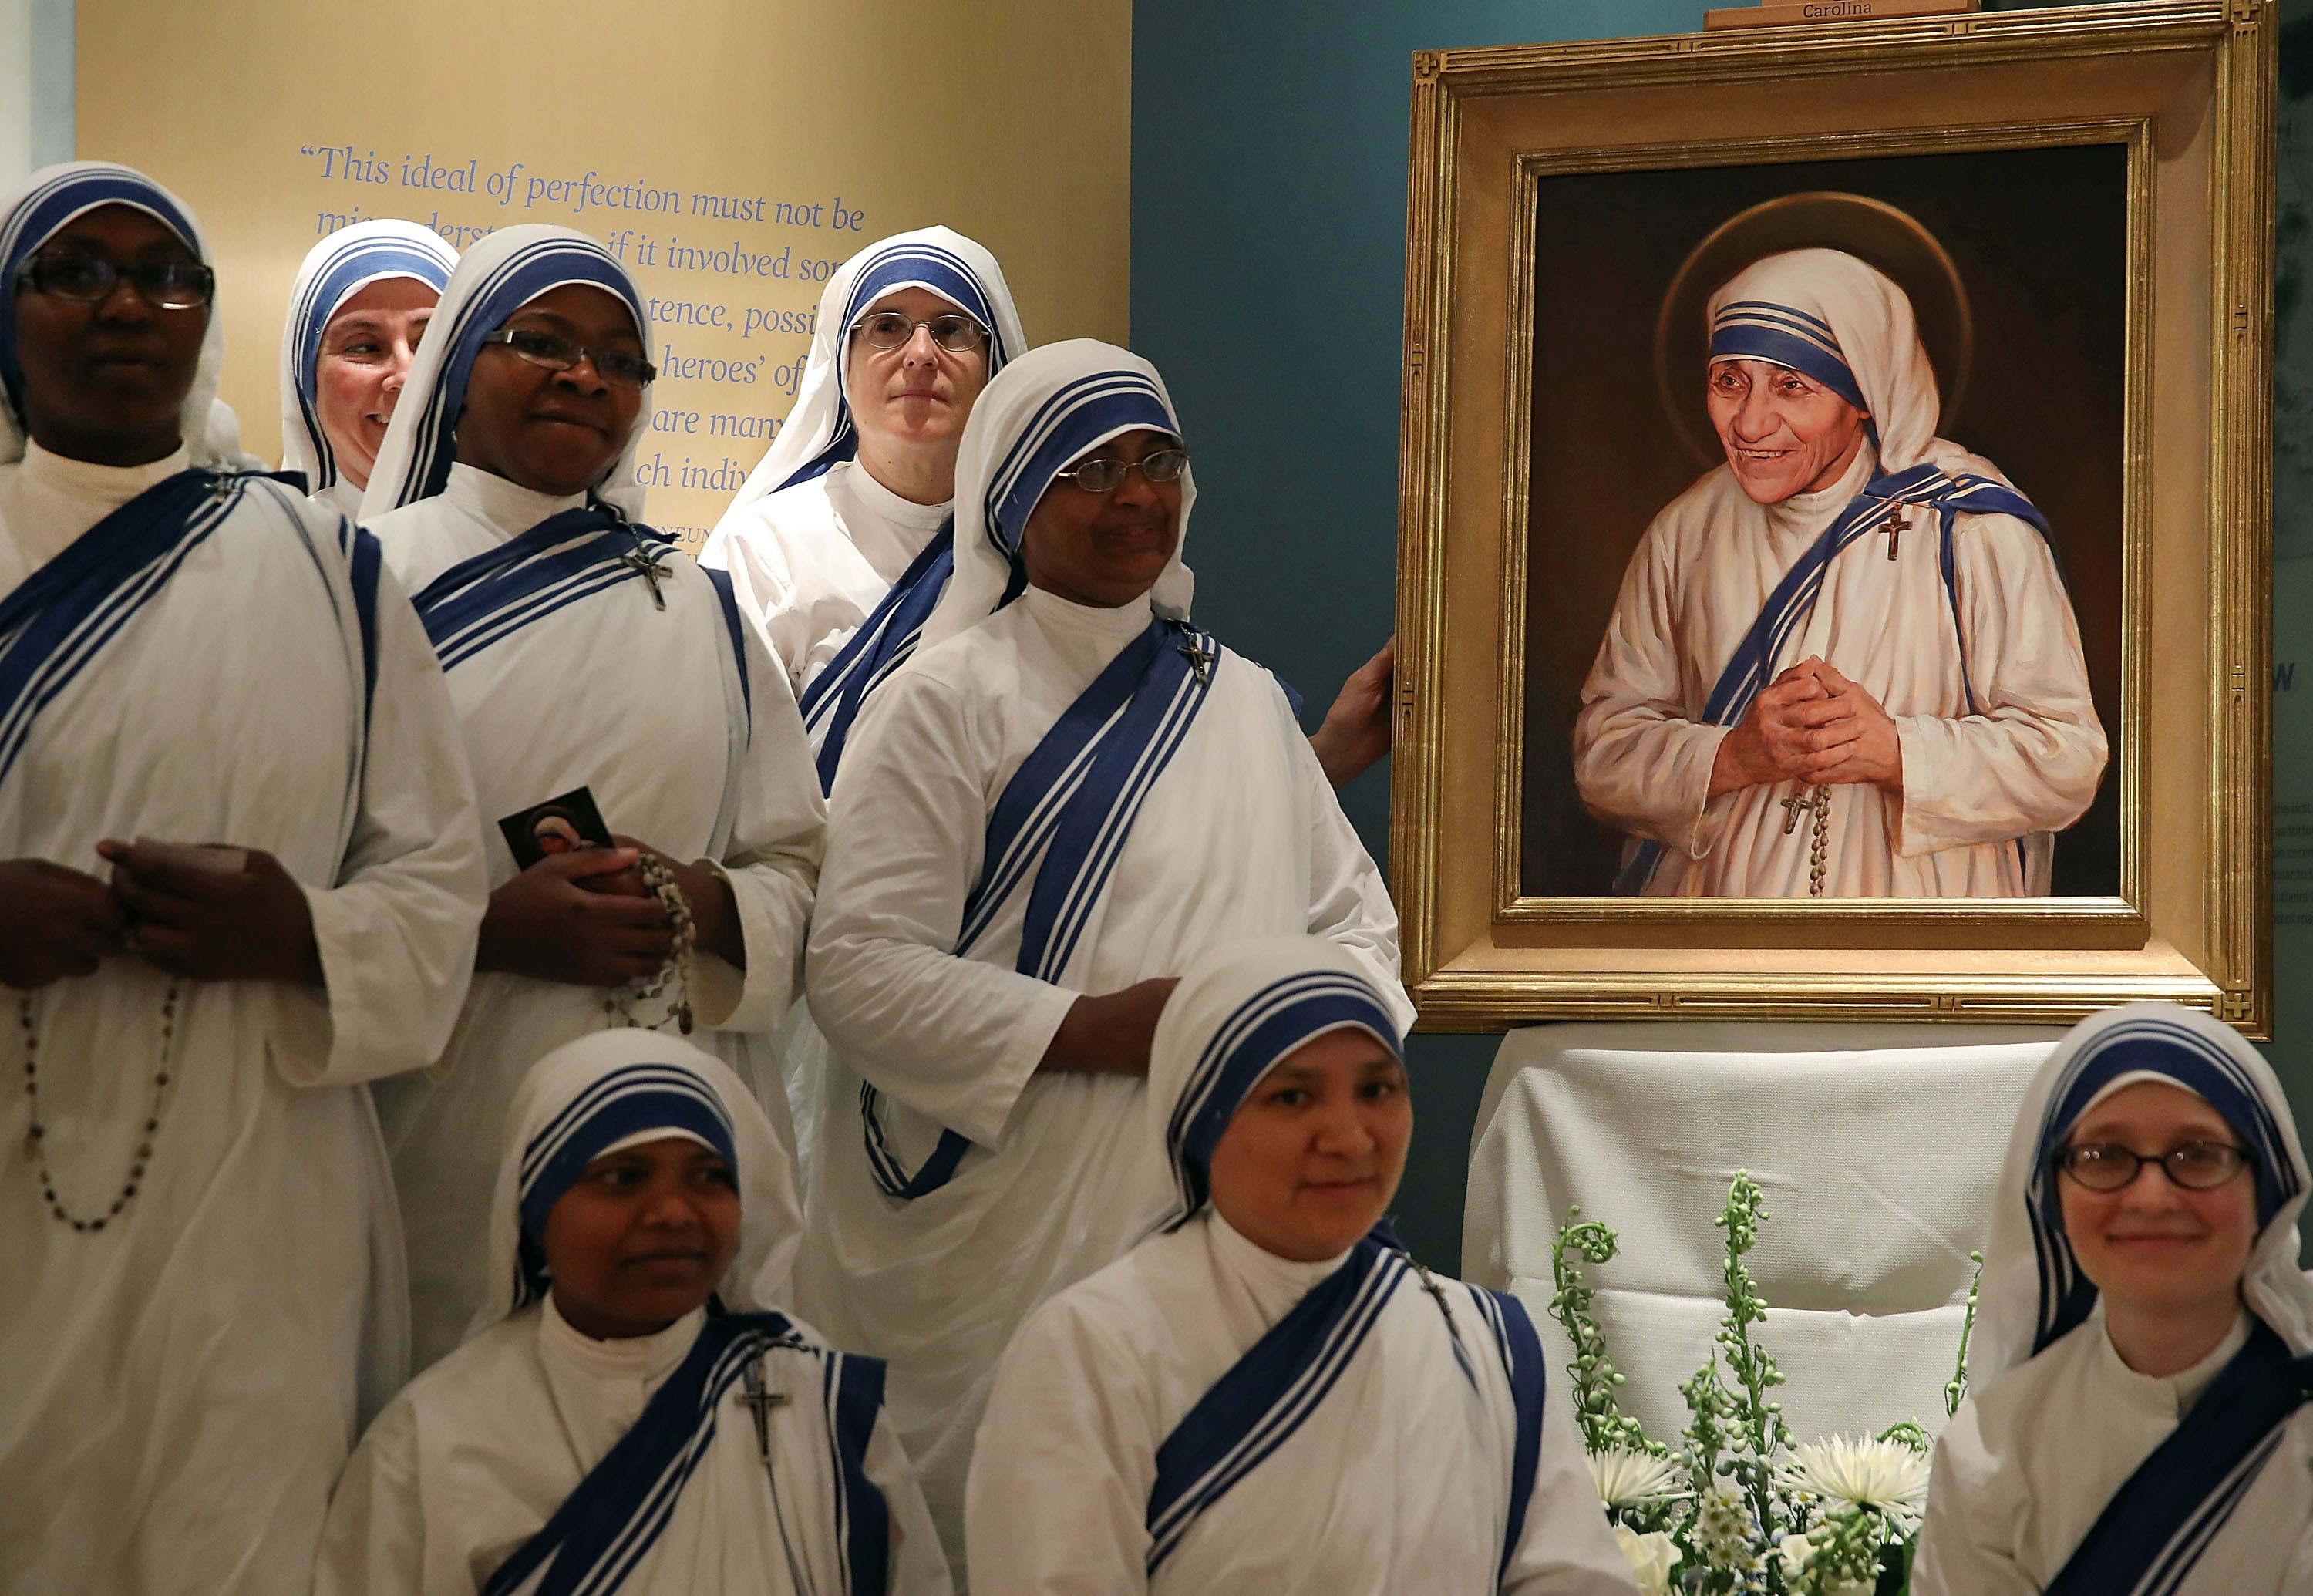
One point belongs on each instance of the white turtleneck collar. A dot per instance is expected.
(2172, 1394)
(47, 500)
(1272, 1285)
(601, 1388)
(1118, 626)
(883, 503)
(1810, 513)
(509, 508)
(647, 1358)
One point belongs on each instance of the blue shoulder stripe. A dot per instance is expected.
(1268, 1395)
(61, 617)
(853, 1390)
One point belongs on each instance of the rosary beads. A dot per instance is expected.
(676, 971)
(36, 1139)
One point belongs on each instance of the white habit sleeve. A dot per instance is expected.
(772, 864)
(918, 1567)
(954, 1038)
(397, 930)
(1056, 1503)
(1970, 1514)
(1640, 764)
(373, 1543)
(2029, 758)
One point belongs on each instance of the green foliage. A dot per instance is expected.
(1957, 1387)
(1604, 1424)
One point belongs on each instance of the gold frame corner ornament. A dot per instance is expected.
(2189, 87)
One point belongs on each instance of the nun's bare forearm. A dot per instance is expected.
(1109, 1034)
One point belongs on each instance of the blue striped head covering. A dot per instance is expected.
(819, 432)
(614, 1089)
(2034, 1292)
(1757, 329)
(334, 270)
(496, 278)
(47, 201)
(1047, 410)
(1240, 1010)
(1845, 324)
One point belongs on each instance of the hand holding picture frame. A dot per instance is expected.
(1966, 718)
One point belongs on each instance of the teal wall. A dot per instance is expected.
(1268, 160)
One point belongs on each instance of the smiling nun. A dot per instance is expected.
(582, 652)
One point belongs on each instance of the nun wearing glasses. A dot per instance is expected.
(1067, 793)
(2144, 1348)
(617, 706)
(239, 879)
(360, 305)
(841, 540)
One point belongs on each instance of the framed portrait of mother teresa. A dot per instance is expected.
(1835, 521)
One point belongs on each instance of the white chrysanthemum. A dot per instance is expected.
(1651, 1559)
(1627, 1478)
(1883, 1474)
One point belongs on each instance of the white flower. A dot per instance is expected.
(1883, 1474)
(1627, 1478)
(1651, 1559)
(1795, 1549)
(1722, 1517)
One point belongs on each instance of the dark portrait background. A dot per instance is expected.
(2039, 239)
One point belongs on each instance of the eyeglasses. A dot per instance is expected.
(1106, 476)
(90, 279)
(2107, 1167)
(889, 329)
(556, 353)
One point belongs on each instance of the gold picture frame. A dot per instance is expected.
(2185, 93)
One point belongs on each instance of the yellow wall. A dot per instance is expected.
(1010, 120)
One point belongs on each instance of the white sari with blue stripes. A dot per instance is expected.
(1204, 1415)
(2067, 1472)
(1967, 640)
(217, 659)
(566, 674)
(1239, 835)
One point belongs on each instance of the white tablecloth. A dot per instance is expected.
(1877, 1147)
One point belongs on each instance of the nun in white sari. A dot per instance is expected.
(201, 1261)
(582, 652)
(838, 568)
(1206, 1413)
(327, 429)
(730, 1451)
(1040, 821)
(1913, 595)
(2098, 1454)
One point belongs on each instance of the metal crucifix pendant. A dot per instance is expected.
(1894, 527)
(760, 1401)
(650, 570)
(1199, 660)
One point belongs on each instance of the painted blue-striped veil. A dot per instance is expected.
(334, 270)
(496, 278)
(612, 1086)
(44, 203)
(1241, 1007)
(2033, 1291)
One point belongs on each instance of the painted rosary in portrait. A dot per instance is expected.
(1835, 521)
